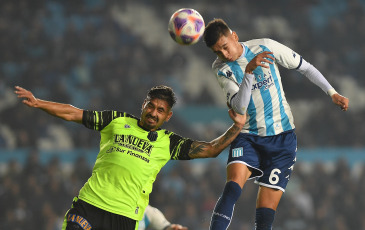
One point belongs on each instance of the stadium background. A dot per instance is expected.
(98, 54)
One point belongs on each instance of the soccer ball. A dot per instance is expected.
(186, 26)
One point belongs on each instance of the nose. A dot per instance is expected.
(153, 112)
(224, 54)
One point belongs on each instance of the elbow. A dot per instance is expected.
(239, 107)
(213, 153)
(241, 110)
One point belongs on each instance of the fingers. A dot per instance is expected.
(265, 57)
(261, 59)
(20, 91)
(232, 112)
(177, 227)
(343, 102)
(341, 105)
(27, 95)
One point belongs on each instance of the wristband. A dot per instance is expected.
(331, 92)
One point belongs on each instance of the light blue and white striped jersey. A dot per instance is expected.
(268, 112)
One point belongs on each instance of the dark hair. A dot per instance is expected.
(164, 93)
(214, 30)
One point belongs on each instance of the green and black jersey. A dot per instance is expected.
(128, 162)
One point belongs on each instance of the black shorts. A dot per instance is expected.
(84, 216)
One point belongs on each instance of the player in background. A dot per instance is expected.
(266, 148)
(132, 152)
(154, 219)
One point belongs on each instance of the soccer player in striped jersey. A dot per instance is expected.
(132, 152)
(266, 148)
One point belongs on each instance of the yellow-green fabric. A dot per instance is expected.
(128, 162)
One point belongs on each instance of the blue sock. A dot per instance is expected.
(223, 210)
(264, 218)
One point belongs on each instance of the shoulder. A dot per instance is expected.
(260, 41)
(220, 67)
(218, 64)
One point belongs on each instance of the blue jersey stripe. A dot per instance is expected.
(251, 109)
(266, 98)
(237, 71)
(284, 117)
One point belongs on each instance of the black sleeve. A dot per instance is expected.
(179, 147)
(98, 120)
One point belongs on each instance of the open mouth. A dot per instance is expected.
(151, 120)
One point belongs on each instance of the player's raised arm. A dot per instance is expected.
(201, 149)
(64, 111)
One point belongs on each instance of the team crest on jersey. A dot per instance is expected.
(127, 126)
(237, 152)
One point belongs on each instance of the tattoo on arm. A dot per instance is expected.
(228, 135)
(200, 149)
(197, 147)
(223, 141)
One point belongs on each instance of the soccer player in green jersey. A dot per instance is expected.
(132, 152)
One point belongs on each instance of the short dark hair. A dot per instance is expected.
(164, 93)
(214, 30)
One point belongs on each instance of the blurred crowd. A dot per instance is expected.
(36, 195)
(76, 52)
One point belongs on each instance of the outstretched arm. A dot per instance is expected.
(317, 78)
(201, 149)
(64, 111)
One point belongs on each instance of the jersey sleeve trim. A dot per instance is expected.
(300, 62)
(97, 120)
(179, 147)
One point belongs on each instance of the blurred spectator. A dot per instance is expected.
(317, 198)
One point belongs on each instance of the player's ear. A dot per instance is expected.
(235, 36)
(144, 103)
(169, 116)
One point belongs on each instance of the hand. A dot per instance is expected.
(260, 60)
(341, 101)
(176, 227)
(238, 119)
(30, 100)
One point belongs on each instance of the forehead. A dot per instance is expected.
(159, 103)
(221, 42)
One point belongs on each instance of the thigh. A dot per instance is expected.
(243, 151)
(238, 173)
(268, 197)
(277, 160)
